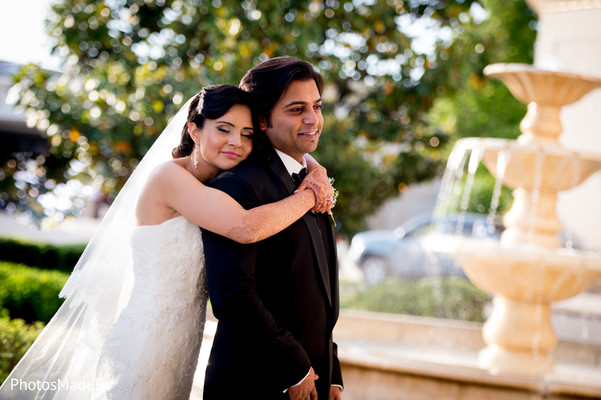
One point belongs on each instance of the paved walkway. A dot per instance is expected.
(199, 376)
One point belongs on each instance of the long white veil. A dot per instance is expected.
(61, 363)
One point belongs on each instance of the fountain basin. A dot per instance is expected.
(545, 275)
(536, 172)
(532, 84)
(525, 280)
(563, 168)
(391, 357)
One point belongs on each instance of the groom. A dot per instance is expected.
(276, 300)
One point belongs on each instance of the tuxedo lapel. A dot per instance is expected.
(277, 167)
(322, 260)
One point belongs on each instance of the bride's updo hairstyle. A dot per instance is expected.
(211, 102)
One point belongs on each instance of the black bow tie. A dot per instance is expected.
(298, 178)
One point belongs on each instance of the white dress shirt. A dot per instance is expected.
(292, 166)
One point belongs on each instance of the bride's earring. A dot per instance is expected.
(195, 157)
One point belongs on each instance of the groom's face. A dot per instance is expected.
(296, 120)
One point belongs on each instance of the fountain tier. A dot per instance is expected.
(545, 92)
(525, 280)
(536, 172)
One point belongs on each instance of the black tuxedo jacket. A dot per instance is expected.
(276, 300)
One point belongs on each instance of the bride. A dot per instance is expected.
(133, 319)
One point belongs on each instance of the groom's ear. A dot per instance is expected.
(263, 123)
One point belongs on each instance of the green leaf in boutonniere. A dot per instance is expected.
(334, 199)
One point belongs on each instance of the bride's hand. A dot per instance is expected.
(317, 180)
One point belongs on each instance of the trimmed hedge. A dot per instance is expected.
(15, 339)
(451, 298)
(40, 255)
(30, 293)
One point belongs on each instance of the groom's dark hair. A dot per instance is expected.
(269, 80)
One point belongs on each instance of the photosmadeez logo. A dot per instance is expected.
(57, 385)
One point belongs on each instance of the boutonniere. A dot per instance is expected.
(334, 198)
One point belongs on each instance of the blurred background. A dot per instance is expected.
(86, 87)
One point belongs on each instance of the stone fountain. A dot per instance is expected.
(528, 268)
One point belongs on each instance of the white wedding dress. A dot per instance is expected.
(152, 351)
(133, 320)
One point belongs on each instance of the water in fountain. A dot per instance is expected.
(418, 282)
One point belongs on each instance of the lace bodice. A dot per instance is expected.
(152, 351)
(168, 259)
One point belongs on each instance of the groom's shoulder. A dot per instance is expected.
(245, 171)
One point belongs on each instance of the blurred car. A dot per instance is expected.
(403, 253)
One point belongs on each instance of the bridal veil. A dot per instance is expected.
(61, 363)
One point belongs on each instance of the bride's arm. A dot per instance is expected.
(216, 211)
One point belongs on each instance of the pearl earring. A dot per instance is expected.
(195, 158)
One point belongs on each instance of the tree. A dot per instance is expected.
(473, 105)
(130, 64)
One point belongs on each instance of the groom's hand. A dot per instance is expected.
(306, 390)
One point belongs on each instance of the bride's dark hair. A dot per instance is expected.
(210, 103)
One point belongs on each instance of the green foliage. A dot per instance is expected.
(15, 339)
(40, 255)
(122, 82)
(451, 298)
(30, 293)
